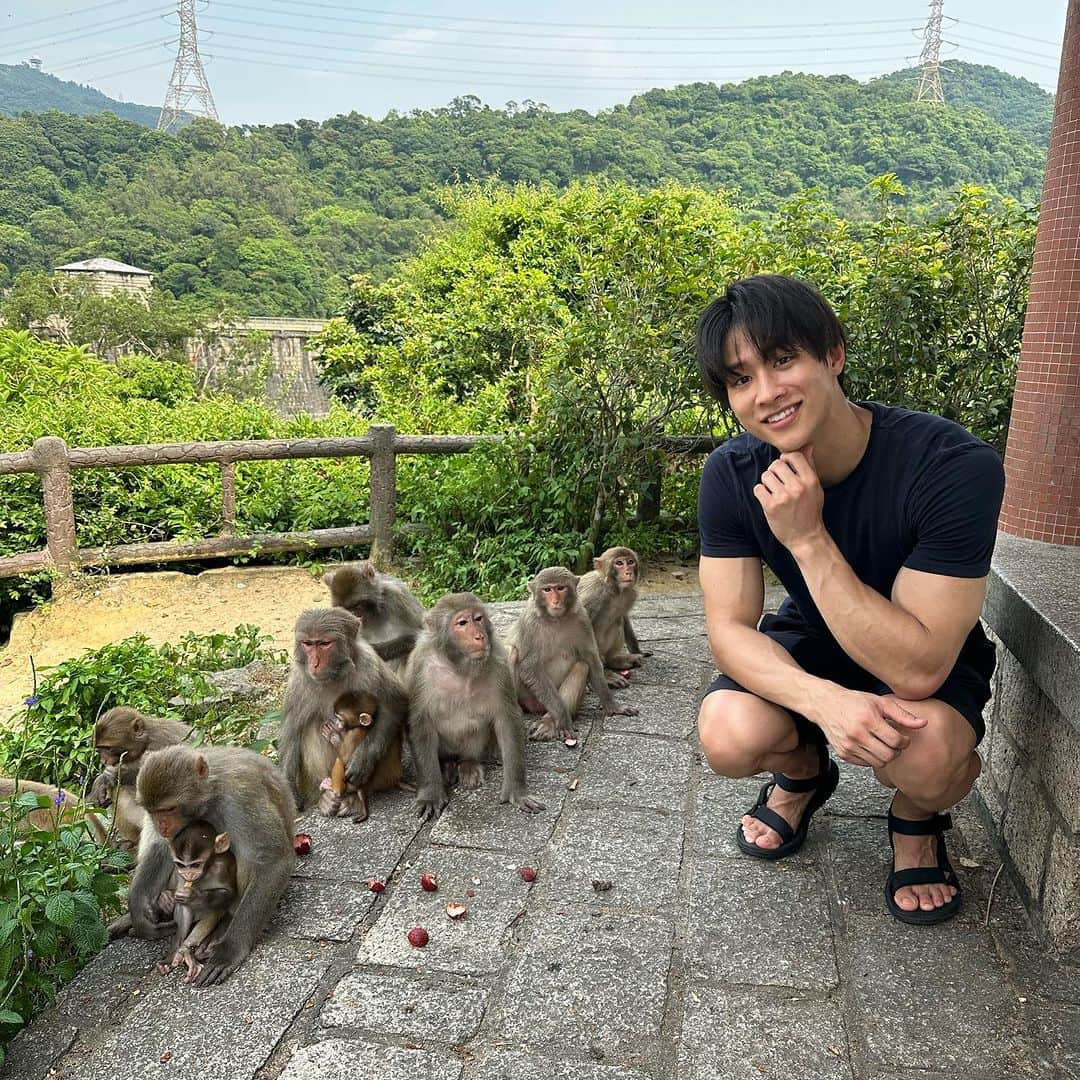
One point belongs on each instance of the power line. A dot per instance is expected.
(1007, 33)
(720, 27)
(122, 23)
(19, 25)
(93, 58)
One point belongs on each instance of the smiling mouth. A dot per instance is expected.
(782, 415)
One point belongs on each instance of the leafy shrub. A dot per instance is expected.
(54, 743)
(57, 889)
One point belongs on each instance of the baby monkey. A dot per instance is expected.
(354, 715)
(205, 890)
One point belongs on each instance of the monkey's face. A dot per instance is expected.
(468, 629)
(321, 658)
(110, 755)
(190, 870)
(624, 570)
(168, 820)
(555, 598)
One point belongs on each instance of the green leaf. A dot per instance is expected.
(60, 909)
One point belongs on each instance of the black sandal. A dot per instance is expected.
(822, 785)
(942, 874)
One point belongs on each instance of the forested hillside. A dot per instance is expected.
(22, 89)
(275, 219)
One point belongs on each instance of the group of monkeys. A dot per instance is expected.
(214, 825)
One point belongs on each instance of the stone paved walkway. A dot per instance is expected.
(696, 963)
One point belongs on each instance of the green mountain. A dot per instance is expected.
(23, 89)
(275, 219)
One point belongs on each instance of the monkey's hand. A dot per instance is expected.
(101, 791)
(547, 727)
(166, 902)
(329, 803)
(430, 803)
(615, 709)
(361, 766)
(332, 731)
(225, 957)
(146, 922)
(522, 800)
(616, 681)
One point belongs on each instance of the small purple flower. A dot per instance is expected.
(29, 954)
(33, 699)
(61, 795)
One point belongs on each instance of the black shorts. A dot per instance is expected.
(967, 688)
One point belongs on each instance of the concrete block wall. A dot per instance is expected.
(1029, 791)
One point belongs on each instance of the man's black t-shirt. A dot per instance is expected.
(925, 495)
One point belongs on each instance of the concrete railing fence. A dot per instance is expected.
(53, 461)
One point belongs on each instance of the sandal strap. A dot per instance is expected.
(809, 783)
(773, 820)
(922, 875)
(936, 824)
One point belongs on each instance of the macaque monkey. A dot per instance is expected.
(330, 659)
(122, 736)
(246, 797)
(390, 616)
(461, 704)
(356, 714)
(553, 655)
(205, 890)
(66, 807)
(608, 593)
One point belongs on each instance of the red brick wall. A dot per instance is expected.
(1042, 459)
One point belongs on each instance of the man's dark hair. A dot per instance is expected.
(775, 313)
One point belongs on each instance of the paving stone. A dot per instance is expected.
(667, 605)
(31, 1053)
(760, 924)
(553, 755)
(762, 1033)
(436, 1009)
(474, 944)
(661, 711)
(719, 806)
(335, 1058)
(226, 1031)
(477, 819)
(682, 629)
(932, 995)
(324, 910)
(638, 851)
(590, 984)
(637, 770)
(1057, 1029)
(667, 667)
(1036, 972)
(342, 851)
(514, 1065)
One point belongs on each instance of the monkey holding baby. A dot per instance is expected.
(331, 661)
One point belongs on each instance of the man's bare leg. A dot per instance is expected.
(741, 735)
(935, 771)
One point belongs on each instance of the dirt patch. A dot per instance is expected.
(167, 605)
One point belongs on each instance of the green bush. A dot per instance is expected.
(54, 743)
(57, 890)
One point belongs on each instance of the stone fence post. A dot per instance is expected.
(383, 505)
(52, 465)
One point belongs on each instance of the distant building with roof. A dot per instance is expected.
(107, 276)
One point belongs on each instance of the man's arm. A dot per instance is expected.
(863, 728)
(911, 640)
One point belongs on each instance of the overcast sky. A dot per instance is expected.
(271, 61)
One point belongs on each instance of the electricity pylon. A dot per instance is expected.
(189, 90)
(929, 88)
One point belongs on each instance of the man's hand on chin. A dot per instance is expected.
(791, 495)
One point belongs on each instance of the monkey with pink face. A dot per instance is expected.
(462, 705)
(331, 659)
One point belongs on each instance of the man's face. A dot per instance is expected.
(785, 399)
